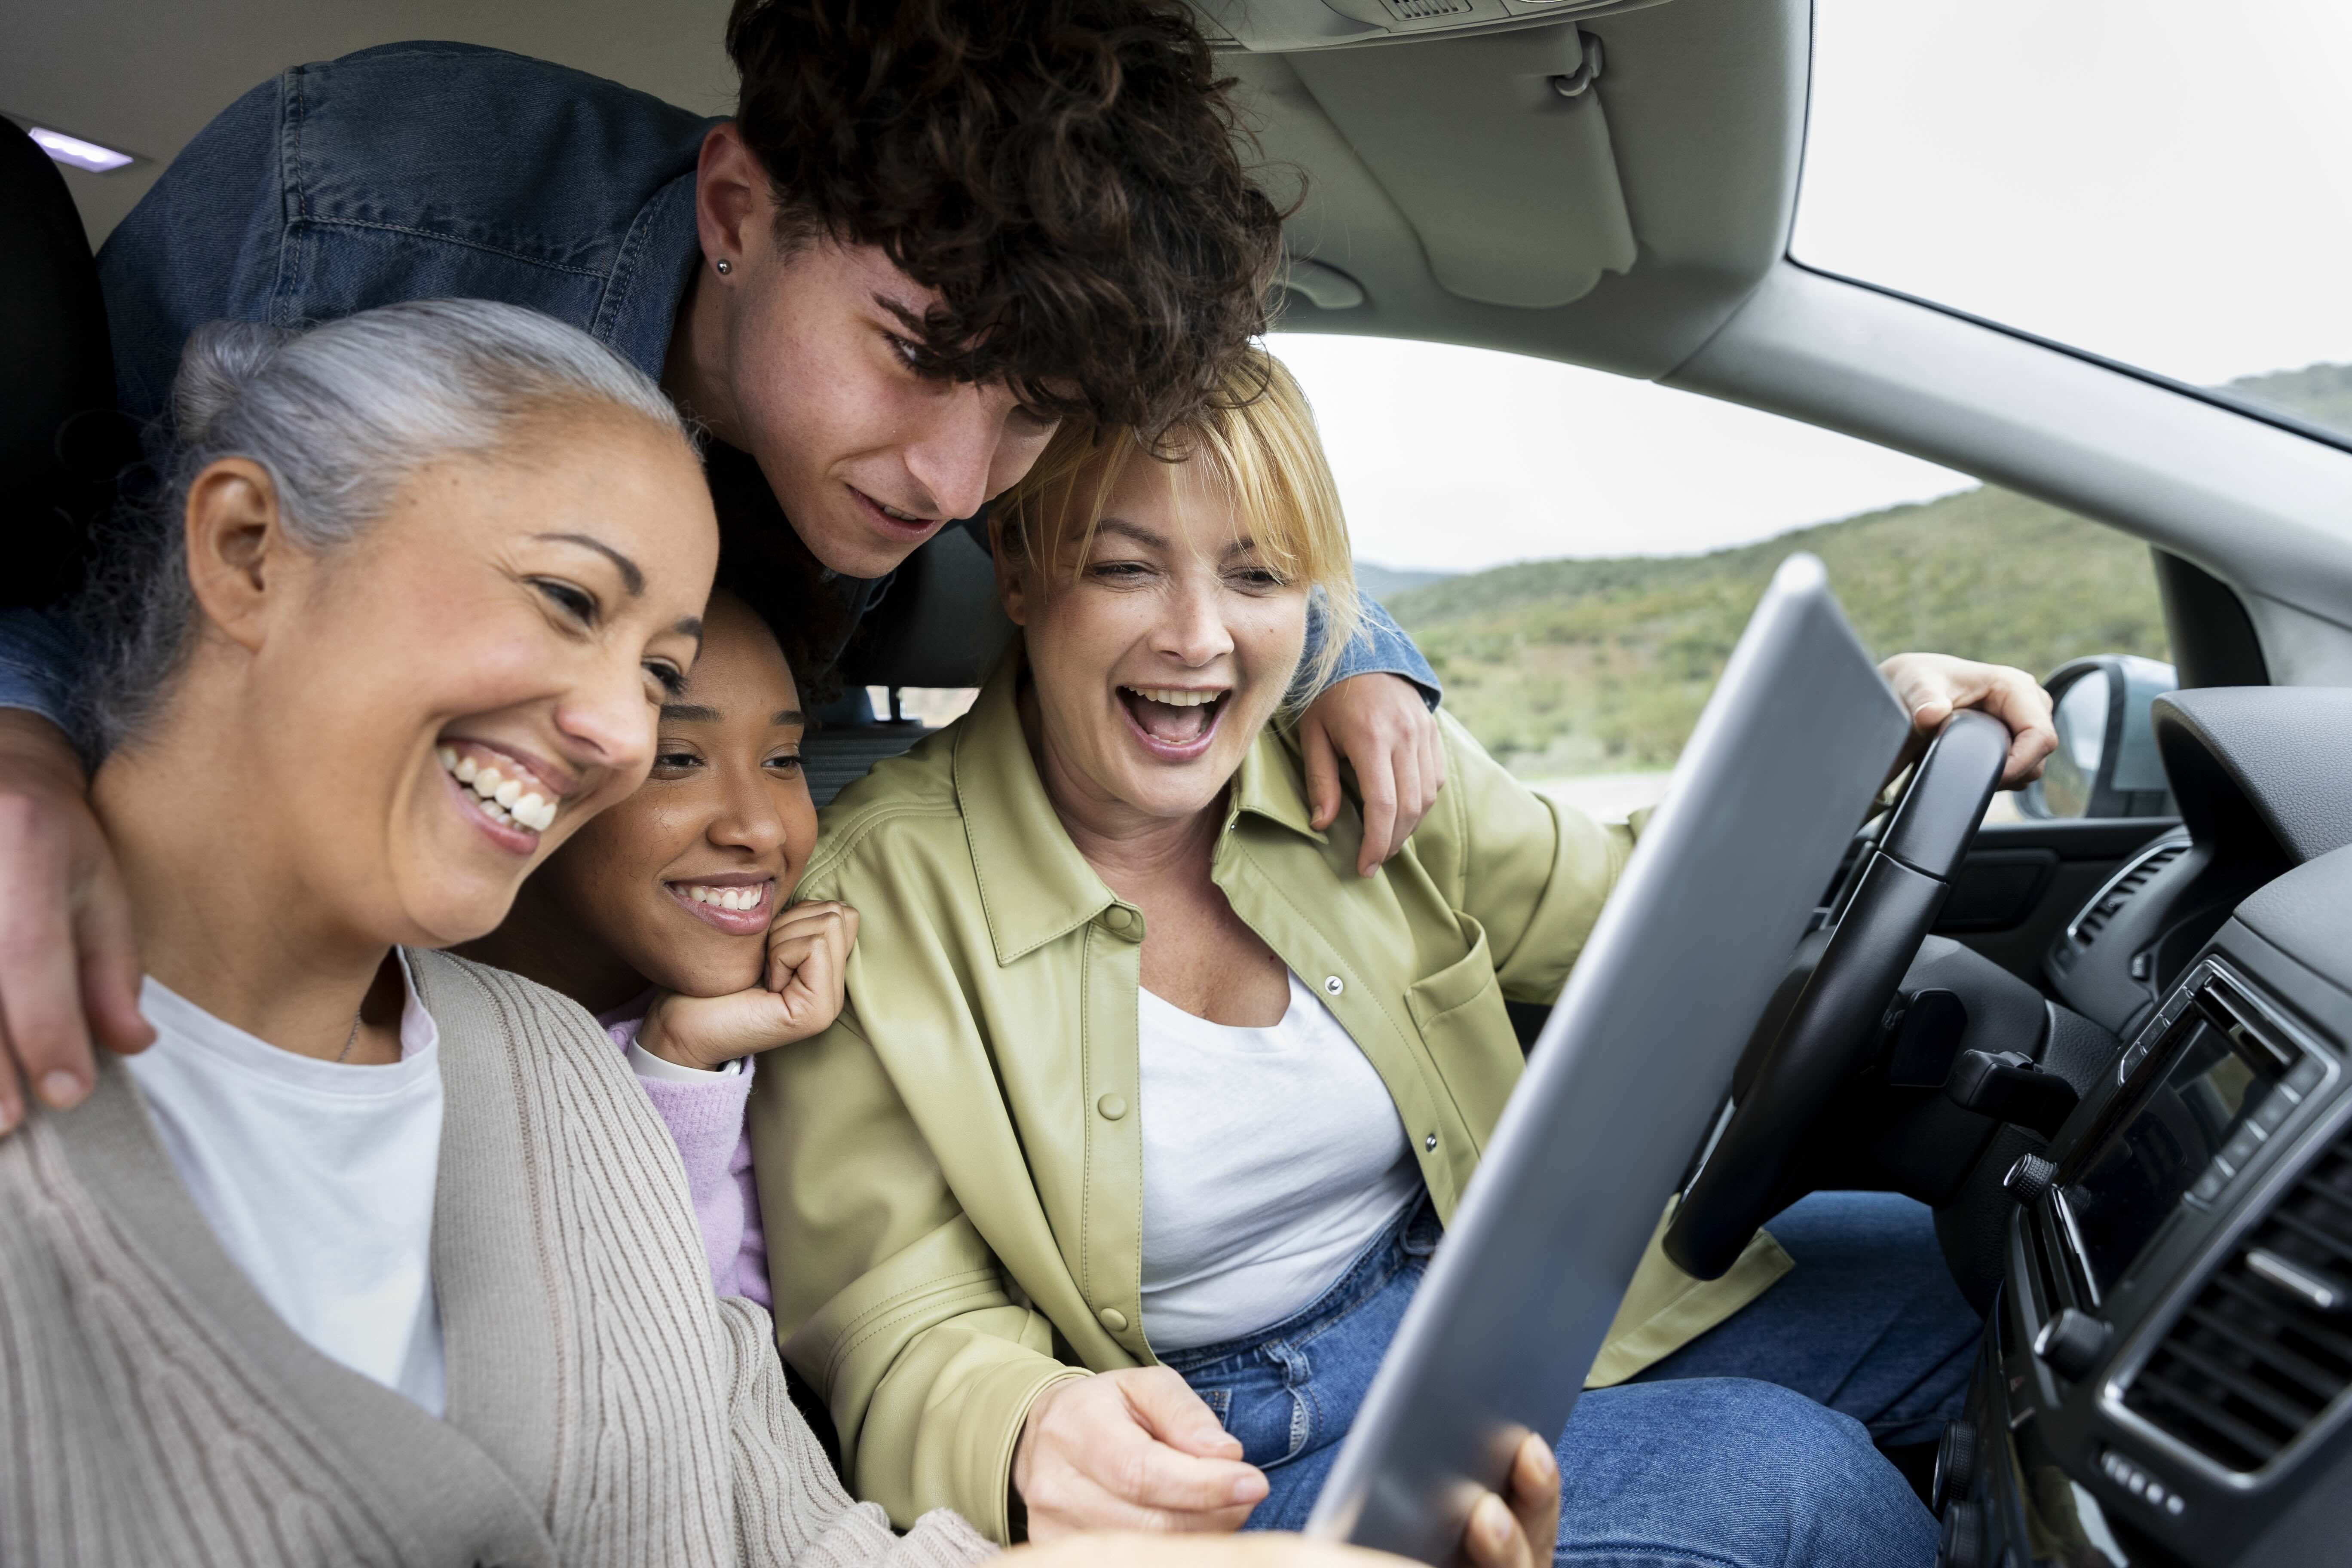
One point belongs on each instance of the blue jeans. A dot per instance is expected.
(1868, 1323)
(1700, 1472)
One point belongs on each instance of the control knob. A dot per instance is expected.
(2029, 1180)
(1956, 1464)
(2069, 1344)
(1963, 1543)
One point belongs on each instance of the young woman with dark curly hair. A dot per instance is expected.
(932, 231)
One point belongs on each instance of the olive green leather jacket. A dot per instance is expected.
(951, 1176)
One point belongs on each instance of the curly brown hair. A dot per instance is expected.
(1068, 175)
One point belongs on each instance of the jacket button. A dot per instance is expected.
(1119, 919)
(1430, 1143)
(1113, 1318)
(1333, 985)
(1112, 1107)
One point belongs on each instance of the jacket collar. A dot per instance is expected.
(1272, 783)
(1035, 885)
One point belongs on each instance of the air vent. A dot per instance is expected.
(1422, 10)
(2266, 1347)
(2122, 890)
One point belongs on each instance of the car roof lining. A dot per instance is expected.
(1674, 213)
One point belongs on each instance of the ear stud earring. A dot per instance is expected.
(724, 266)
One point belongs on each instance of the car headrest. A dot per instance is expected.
(61, 443)
(939, 624)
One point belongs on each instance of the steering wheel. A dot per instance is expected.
(1830, 1031)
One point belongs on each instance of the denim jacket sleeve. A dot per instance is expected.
(202, 245)
(1379, 648)
(35, 663)
(357, 182)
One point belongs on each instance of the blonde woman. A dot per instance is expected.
(1101, 1200)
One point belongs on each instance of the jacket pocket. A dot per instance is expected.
(1459, 1010)
(1461, 984)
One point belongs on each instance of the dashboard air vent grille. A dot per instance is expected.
(2122, 890)
(1420, 10)
(2254, 1362)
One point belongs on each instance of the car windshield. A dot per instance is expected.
(2158, 182)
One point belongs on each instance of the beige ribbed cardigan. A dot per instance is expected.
(604, 1407)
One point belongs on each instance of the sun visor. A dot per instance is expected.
(1281, 26)
(1495, 149)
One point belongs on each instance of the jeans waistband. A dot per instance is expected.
(1413, 1234)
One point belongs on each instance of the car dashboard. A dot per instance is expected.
(2166, 1370)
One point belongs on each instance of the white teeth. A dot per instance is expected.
(502, 798)
(1174, 696)
(725, 898)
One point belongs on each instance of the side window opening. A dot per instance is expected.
(1576, 553)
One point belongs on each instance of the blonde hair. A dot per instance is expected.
(1257, 437)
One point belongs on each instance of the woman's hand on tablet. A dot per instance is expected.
(1520, 1532)
(1132, 1449)
(802, 994)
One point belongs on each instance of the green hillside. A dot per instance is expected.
(1580, 666)
(1385, 583)
(2319, 393)
(1583, 666)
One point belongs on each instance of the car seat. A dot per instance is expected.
(61, 441)
(938, 624)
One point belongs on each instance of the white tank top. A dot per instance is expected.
(1271, 1158)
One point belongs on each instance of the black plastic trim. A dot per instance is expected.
(2213, 639)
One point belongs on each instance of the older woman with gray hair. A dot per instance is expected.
(378, 1255)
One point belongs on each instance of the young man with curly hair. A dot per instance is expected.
(932, 230)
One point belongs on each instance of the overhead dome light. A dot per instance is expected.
(76, 152)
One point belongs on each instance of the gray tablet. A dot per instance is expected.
(1640, 1048)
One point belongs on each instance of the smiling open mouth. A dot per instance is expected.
(1174, 716)
(737, 904)
(502, 788)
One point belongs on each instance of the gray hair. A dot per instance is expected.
(340, 417)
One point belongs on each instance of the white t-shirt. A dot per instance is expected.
(318, 1177)
(1271, 1158)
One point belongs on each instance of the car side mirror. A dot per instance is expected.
(2106, 763)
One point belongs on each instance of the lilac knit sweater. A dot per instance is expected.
(705, 1119)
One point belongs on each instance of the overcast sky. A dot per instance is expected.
(2167, 181)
